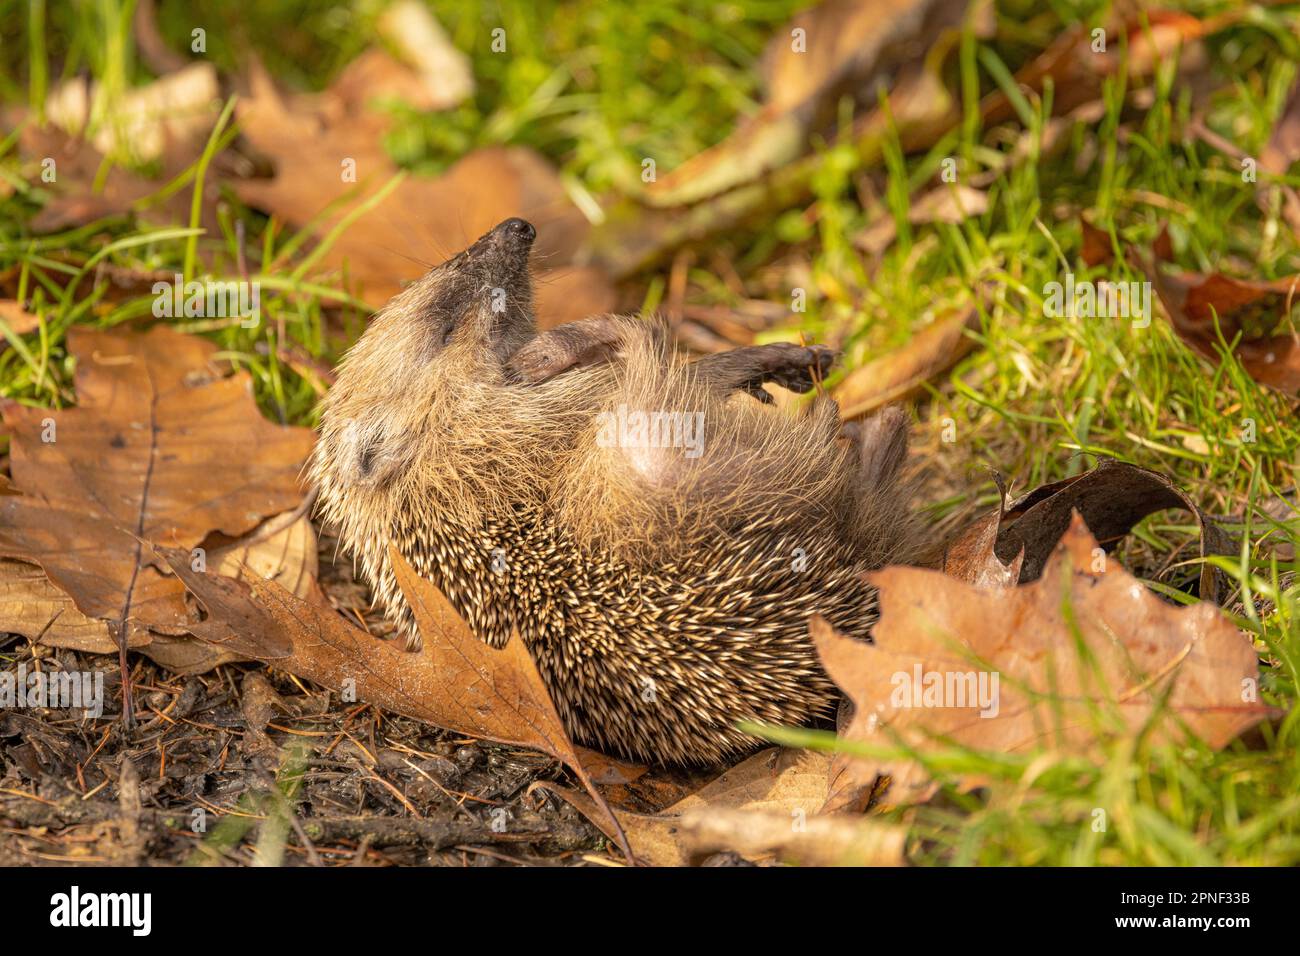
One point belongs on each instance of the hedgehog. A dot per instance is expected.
(656, 531)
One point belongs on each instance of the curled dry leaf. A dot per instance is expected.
(454, 681)
(902, 372)
(971, 556)
(786, 782)
(1111, 498)
(1006, 671)
(162, 447)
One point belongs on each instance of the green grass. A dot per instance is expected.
(597, 86)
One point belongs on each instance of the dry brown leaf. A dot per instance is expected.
(420, 221)
(1136, 47)
(900, 373)
(75, 200)
(432, 75)
(161, 447)
(1096, 248)
(283, 550)
(789, 782)
(19, 320)
(1141, 649)
(1111, 498)
(161, 442)
(33, 607)
(454, 681)
(609, 771)
(1269, 349)
(971, 556)
(95, 561)
(110, 283)
(1012, 543)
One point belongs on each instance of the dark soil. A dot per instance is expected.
(243, 761)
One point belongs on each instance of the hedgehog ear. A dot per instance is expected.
(368, 455)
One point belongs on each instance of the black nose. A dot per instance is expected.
(519, 229)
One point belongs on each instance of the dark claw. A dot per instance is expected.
(796, 367)
(802, 367)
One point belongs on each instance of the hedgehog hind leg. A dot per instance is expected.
(881, 444)
(881, 519)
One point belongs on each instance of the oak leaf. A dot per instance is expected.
(164, 447)
(1083, 652)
